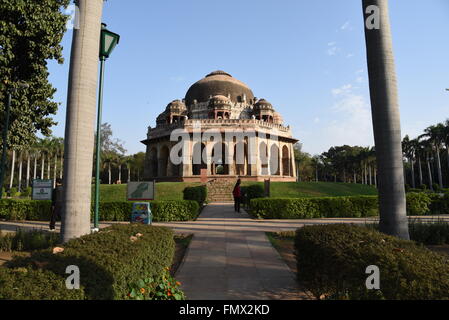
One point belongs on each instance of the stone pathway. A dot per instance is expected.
(226, 263)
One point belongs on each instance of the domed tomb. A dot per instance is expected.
(218, 83)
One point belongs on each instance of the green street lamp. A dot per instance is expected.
(9, 92)
(108, 41)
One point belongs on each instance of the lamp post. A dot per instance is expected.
(9, 91)
(108, 41)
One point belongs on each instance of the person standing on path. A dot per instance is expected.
(56, 204)
(237, 193)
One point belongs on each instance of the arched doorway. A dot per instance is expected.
(286, 168)
(219, 154)
(163, 161)
(274, 160)
(198, 162)
(153, 162)
(263, 156)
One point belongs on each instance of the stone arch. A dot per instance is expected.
(198, 162)
(219, 165)
(263, 156)
(164, 158)
(274, 160)
(240, 160)
(286, 169)
(153, 162)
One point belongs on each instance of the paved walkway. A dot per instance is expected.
(226, 262)
(229, 256)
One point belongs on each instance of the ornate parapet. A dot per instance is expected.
(221, 125)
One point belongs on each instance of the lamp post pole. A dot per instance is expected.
(5, 142)
(98, 144)
(108, 41)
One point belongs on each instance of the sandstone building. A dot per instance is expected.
(220, 103)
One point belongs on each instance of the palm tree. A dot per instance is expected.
(409, 153)
(446, 142)
(80, 116)
(108, 159)
(20, 170)
(386, 122)
(129, 162)
(435, 135)
(13, 163)
(417, 153)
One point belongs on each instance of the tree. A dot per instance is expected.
(30, 35)
(386, 121)
(79, 133)
(435, 135)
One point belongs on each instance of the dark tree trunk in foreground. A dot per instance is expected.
(386, 120)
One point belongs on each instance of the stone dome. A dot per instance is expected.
(218, 83)
(263, 104)
(176, 106)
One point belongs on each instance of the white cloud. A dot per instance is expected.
(345, 89)
(351, 123)
(345, 26)
(333, 49)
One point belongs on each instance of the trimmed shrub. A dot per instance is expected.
(164, 210)
(17, 209)
(252, 191)
(434, 233)
(27, 240)
(198, 194)
(109, 260)
(28, 284)
(418, 203)
(303, 208)
(332, 260)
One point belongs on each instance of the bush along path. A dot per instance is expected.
(226, 263)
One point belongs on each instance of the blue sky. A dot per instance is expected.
(306, 57)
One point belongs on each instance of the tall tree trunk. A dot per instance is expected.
(48, 167)
(13, 163)
(62, 166)
(386, 119)
(20, 171)
(375, 177)
(55, 173)
(370, 177)
(420, 172)
(355, 176)
(120, 173)
(109, 172)
(35, 167)
(440, 175)
(28, 170)
(42, 165)
(413, 173)
(429, 170)
(129, 174)
(80, 116)
(316, 173)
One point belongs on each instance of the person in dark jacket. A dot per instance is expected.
(56, 204)
(237, 193)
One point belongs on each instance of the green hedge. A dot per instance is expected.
(198, 194)
(332, 260)
(163, 210)
(340, 207)
(109, 260)
(303, 208)
(29, 284)
(252, 192)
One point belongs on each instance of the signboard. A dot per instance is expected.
(42, 189)
(138, 191)
(141, 213)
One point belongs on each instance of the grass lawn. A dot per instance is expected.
(173, 190)
(317, 189)
(164, 191)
